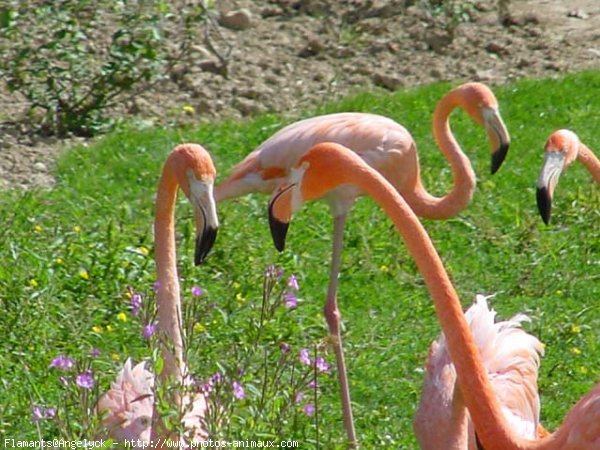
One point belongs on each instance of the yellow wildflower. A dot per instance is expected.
(109, 327)
(188, 109)
(144, 250)
(384, 268)
(128, 294)
(97, 329)
(239, 297)
(575, 329)
(575, 351)
(199, 328)
(76, 228)
(122, 317)
(37, 228)
(115, 356)
(33, 283)
(236, 285)
(59, 261)
(84, 274)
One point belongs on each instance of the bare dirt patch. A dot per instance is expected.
(291, 54)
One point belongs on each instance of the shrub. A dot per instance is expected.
(72, 59)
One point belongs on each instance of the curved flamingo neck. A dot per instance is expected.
(422, 202)
(477, 393)
(590, 161)
(167, 296)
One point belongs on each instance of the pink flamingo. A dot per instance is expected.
(561, 149)
(329, 165)
(389, 148)
(511, 360)
(127, 408)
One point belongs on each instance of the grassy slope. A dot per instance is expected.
(498, 244)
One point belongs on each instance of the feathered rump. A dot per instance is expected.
(511, 358)
(126, 409)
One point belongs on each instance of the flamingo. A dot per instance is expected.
(389, 148)
(511, 360)
(127, 408)
(561, 149)
(329, 165)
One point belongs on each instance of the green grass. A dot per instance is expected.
(497, 245)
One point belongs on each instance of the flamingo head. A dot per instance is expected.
(318, 171)
(480, 103)
(195, 174)
(560, 150)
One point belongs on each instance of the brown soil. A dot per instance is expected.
(298, 53)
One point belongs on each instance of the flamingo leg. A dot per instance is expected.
(333, 318)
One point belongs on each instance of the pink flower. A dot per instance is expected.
(304, 357)
(62, 362)
(85, 380)
(321, 364)
(293, 282)
(238, 391)
(149, 330)
(309, 409)
(197, 291)
(291, 302)
(285, 347)
(136, 304)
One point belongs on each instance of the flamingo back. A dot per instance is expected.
(126, 409)
(511, 358)
(370, 135)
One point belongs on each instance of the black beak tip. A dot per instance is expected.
(544, 203)
(498, 157)
(278, 232)
(204, 243)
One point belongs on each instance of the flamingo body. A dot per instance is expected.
(510, 357)
(329, 165)
(127, 409)
(387, 147)
(128, 405)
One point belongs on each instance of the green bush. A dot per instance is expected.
(72, 59)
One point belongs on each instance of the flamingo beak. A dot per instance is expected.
(207, 222)
(280, 216)
(204, 241)
(499, 137)
(554, 163)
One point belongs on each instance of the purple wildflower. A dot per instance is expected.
(298, 397)
(274, 272)
(197, 291)
(293, 282)
(148, 330)
(312, 384)
(285, 347)
(95, 352)
(206, 388)
(309, 409)
(85, 379)
(304, 357)
(291, 302)
(37, 414)
(136, 304)
(62, 362)
(156, 285)
(321, 364)
(216, 378)
(238, 391)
